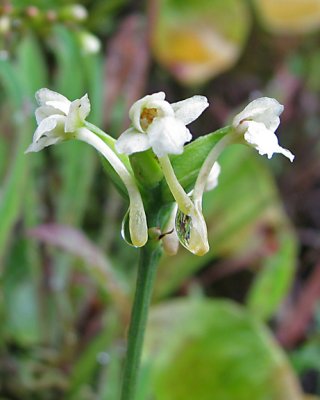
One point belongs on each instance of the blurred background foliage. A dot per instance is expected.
(241, 323)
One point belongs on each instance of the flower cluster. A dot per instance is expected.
(158, 125)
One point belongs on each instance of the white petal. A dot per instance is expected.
(212, 181)
(44, 95)
(42, 143)
(286, 153)
(164, 108)
(132, 141)
(45, 126)
(59, 105)
(264, 140)
(137, 107)
(79, 109)
(167, 136)
(43, 112)
(188, 110)
(53, 124)
(264, 109)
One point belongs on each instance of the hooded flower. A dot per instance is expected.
(160, 125)
(258, 122)
(57, 118)
(60, 119)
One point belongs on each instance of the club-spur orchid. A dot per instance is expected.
(57, 118)
(60, 120)
(258, 122)
(159, 125)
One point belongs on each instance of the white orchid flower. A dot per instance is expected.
(59, 120)
(160, 125)
(258, 122)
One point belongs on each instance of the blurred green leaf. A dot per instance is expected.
(271, 285)
(196, 40)
(307, 357)
(69, 76)
(32, 65)
(20, 298)
(11, 76)
(202, 349)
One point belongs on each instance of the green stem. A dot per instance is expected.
(149, 259)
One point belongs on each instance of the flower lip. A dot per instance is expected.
(258, 122)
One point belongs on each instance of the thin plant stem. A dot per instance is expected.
(149, 259)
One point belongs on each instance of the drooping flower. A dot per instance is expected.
(258, 122)
(160, 125)
(57, 118)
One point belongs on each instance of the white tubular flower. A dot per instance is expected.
(258, 122)
(60, 119)
(160, 125)
(57, 118)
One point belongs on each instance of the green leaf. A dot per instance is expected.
(20, 297)
(69, 77)
(307, 357)
(10, 81)
(271, 285)
(14, 182)
(32, 66)
(204, 349)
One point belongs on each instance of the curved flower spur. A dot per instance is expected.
(159, 125)
(60, 120)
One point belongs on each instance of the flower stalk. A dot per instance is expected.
(137, 221)
(212, 158)
(148, 262)
(180, 196)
